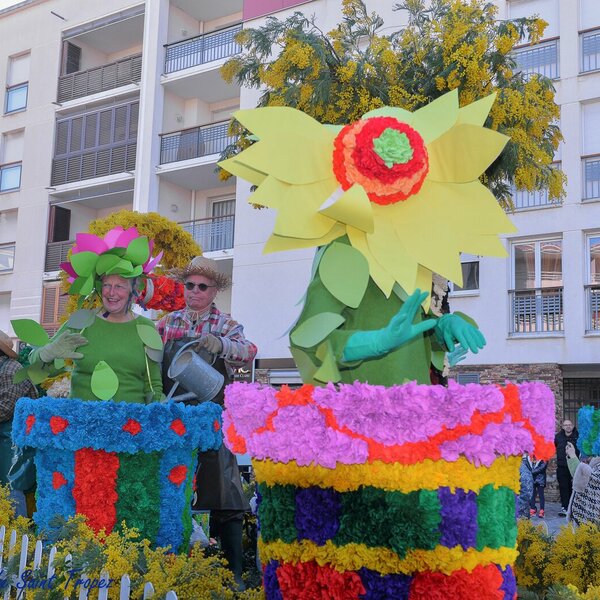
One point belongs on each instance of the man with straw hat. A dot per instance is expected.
(9, 394)
(220, 338)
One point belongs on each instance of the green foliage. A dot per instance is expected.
(338, 76)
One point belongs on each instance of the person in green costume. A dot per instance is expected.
(116, 353)
(110, 338)
(383, 340)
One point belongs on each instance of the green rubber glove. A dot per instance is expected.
(400, 329)
(62, 347)
(452, 330)
(458, 354)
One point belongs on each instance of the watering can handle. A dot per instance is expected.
(192, 343)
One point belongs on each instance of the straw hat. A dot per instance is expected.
(6, 345)
(207, 267)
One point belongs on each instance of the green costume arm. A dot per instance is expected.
(572, 463)
(400, 329)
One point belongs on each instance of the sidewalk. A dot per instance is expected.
(552, 521)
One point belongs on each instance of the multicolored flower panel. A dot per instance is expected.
(588, 423)
(401, 492)
(117, 461)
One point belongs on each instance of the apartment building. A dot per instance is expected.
(121, 105)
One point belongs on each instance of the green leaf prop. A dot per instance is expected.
(82, 286)
(30, 332)
(315, 329)
(37, 373)
(104, 382)
(138, 251)
(328, 371)
(344, 271)
(122, 267)
(154, 355)
(437, 359)
(81, 319)
(149, 336)
(305, 365)
(84, 263)
(20, 375)
(59, 363)
(106, 262)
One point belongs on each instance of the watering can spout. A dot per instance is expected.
(201, 380)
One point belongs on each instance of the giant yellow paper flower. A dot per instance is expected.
(403, 186)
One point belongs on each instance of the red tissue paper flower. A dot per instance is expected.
(355, 160)
(168, 294)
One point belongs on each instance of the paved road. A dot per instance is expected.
(552, 521)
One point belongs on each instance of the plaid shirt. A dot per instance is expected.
(237, 350)
(10, 392)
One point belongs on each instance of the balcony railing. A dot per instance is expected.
(99, 79)
(538, 310)
(202, 49)
(592, 295)
(195, 142)
(590, 51)
(541, 59)
(212, 234)
(56, 252)
(591, 177)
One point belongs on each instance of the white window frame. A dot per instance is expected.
(7, 246)
(9, 91)
(468, 259)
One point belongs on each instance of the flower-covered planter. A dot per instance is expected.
(375, 492)
(117, 461)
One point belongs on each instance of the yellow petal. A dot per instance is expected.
(277, 243)
(283, 120)
(298, 161)
(353, 208)
(239, 169)
(437, 117)
(389, 251)
(429, 231)
(383, 280)
(485, 245)
(476, 113)
(269, 193)
(298, 214)
(463, 153)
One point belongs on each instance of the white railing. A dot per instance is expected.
(16, 588)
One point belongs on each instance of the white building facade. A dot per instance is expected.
(117, 105)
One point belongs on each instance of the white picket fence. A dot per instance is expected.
(12, 591)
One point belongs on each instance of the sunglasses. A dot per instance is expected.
(190, 285)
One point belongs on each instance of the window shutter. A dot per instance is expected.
(71, 58)
(53, 307)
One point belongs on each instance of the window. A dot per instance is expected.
(17, 85)
(590, 113)
(470, 275)
(537, 297)
(465, 378)
(590, 50)
(7, 257)
(578, 392)
(541, 58)
(524, 200)
(592, 289)
(11, 152)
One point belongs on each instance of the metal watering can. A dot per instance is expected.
(194, 374)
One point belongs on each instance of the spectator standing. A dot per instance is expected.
(568, 433)
(538, 474)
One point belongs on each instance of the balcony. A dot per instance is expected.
(590, 51)
(95, 144)
(100, 79)
(56, 252)
(194, 142)
(536, 311)
(541, 59)
(202, 49)
(212, 234)
(524, 200)
(592, 301)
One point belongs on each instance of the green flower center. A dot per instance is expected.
(393, 147)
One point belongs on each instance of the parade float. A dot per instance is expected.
(114, 459)
(372, 482)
